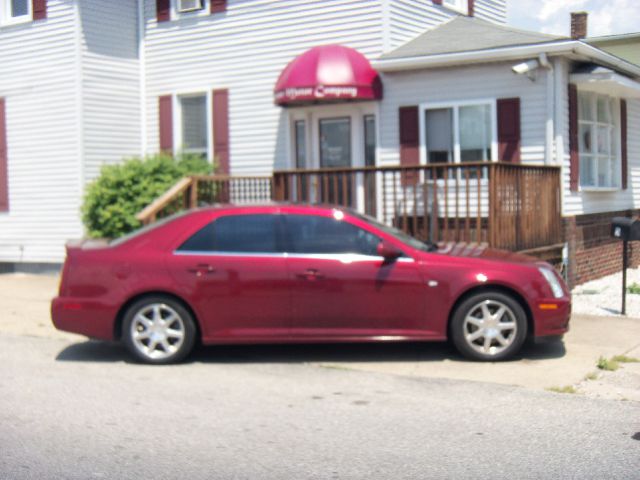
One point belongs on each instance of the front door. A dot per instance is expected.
(341, 287)
(234, 273)
(336, 152)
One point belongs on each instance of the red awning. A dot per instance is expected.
(329, 73)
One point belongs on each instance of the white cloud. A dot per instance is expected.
(553, 16)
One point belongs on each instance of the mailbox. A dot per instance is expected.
(627, 230)
(624, 228)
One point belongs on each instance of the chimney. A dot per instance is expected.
(579, 25)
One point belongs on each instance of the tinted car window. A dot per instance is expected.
(314, 234)
(235, 233)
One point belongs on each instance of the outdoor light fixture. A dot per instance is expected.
(525, 67)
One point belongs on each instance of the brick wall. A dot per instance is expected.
(592, 251)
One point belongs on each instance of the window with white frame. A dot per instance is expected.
(194, 124)
(15, 11)
(460, 133)
(599, 134)
(459, 5)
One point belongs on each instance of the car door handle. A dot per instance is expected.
(202, 269)
(310, 274)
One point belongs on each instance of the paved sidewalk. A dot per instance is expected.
(25, 301)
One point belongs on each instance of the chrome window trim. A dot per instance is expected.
(341, 257)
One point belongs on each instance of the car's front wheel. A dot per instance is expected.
(158, 330)
(489, 326)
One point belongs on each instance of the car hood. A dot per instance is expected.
(473, 250)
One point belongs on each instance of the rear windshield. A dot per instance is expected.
(148, 228)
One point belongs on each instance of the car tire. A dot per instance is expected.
(489, 327)
(158, 330)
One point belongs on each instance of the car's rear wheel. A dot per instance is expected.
(158, 330)
(489, 326)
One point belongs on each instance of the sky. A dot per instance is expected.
(606, 17)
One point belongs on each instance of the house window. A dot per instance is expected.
(598, 141)
(369, 141)
(300, 128)
(15, 11)
(184, 6)
(462, 133)
(193, 124)
(459, 5)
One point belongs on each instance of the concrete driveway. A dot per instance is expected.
(25, 300)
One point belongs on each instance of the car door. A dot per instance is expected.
(234, 274)
(340, 286)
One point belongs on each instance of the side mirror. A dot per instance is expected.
(388, 251)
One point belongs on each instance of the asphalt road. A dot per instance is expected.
(79, 410)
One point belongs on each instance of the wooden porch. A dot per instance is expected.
(510, 206)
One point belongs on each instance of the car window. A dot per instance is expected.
(315, 234)
(236, 234)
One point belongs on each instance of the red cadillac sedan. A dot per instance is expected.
(282, 274)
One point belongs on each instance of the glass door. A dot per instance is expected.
(335, 152)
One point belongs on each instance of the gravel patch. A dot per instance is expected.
(604, 296)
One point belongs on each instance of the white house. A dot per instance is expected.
(81, 82)
(86, 83)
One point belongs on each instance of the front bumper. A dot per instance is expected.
(89, 318)
(551, 317)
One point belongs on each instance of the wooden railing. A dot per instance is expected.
(515, 207)
(509, 206)
(199, 190)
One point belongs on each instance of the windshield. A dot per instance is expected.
(399, 234)
(147, 228)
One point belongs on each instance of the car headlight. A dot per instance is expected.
(553, 281)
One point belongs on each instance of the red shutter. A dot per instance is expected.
(163, 10)
(4, 175)
(165, 118)
(409, 142)
(574, 159)
(437, 2)
(471, 7)
(221, 130)
(39, 9)
(509, 130)
(623, 142)
(218, 6)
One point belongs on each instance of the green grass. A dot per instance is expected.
(565, 389)
(634, 288)
(607, 365)
(625, 359)
(591, 376)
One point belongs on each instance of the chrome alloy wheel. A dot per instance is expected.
(490, 327)
(157, 331)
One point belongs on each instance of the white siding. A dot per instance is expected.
(410, 18)
(492, 10)
(587, 202)
(38, 80)
(490, 81)
(111, 120)
(244, 50)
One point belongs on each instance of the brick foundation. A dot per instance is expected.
(592, 251)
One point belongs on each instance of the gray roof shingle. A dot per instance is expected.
(463, 34)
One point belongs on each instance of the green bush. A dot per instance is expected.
(113, 199)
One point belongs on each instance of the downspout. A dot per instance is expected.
(560, 89)
(550, 120)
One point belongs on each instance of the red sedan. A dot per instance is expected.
(279, 274)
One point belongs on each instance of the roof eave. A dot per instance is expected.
(505, 53)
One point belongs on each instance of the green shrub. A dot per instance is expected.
(113, 199)
(634, 288)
